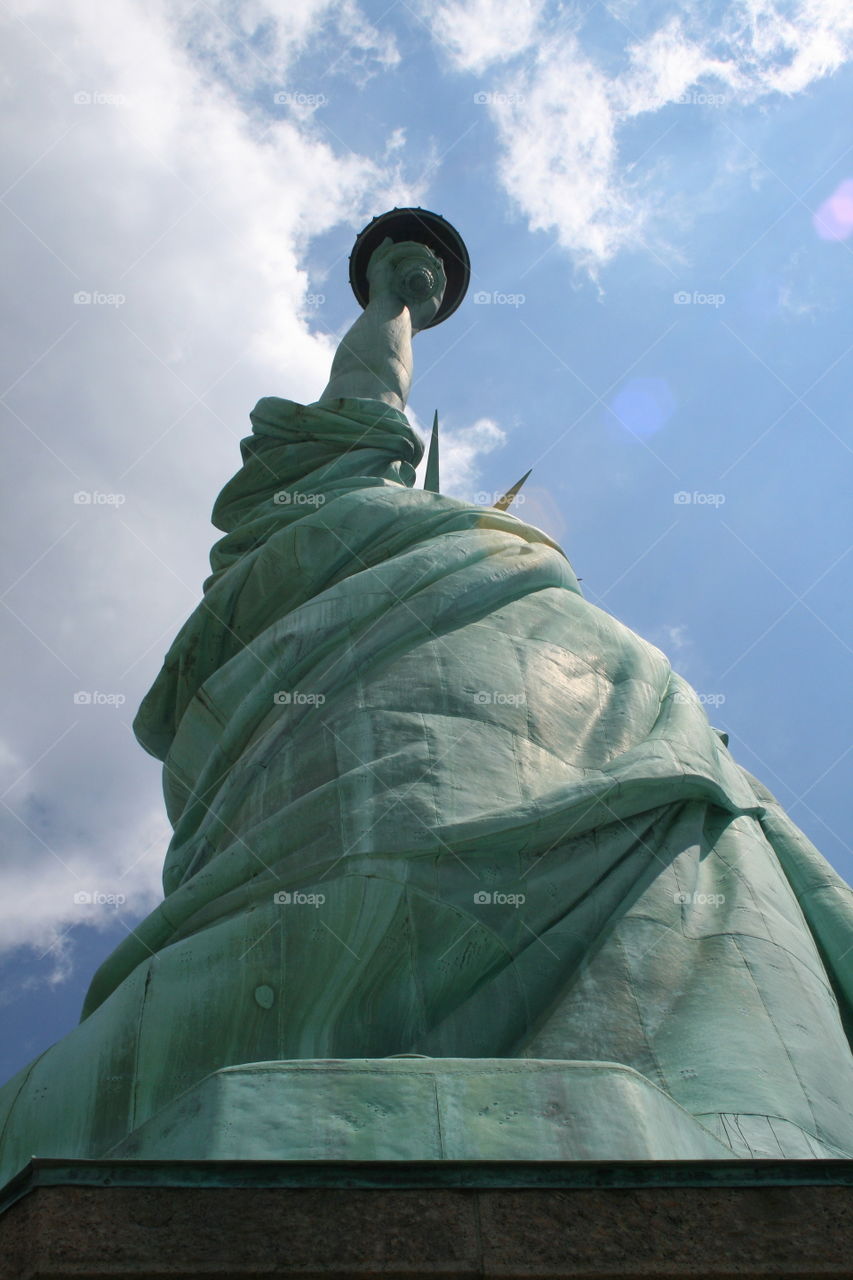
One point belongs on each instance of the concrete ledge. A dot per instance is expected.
(780, 1221)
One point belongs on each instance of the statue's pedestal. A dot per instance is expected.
(717, 1220)
(415, 1108)
(456, 1169)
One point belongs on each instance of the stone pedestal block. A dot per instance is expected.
(430, 1221)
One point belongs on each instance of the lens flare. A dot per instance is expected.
(834, 218)
(643, 405)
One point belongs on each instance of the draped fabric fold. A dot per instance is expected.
(441, 804)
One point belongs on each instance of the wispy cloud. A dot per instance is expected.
(561, 103)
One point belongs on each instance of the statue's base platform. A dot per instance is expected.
(443, 1220)
(416, 1108)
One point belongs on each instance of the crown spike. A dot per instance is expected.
(504, 503)
(431, 479)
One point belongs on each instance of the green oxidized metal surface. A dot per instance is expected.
(460, 723)
(425, 1108)
(429, 800)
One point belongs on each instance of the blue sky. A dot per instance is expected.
(600, 162)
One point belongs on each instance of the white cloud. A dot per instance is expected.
(560, 108)
(479, 33)
(557, 127)
(253, 45)
(788, 46)
(167, 187)
(662, 67)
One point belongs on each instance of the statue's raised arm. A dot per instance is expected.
(374, 360)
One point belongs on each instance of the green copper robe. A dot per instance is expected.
(429, 800)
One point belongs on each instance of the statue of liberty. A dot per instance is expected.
(437, 815)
